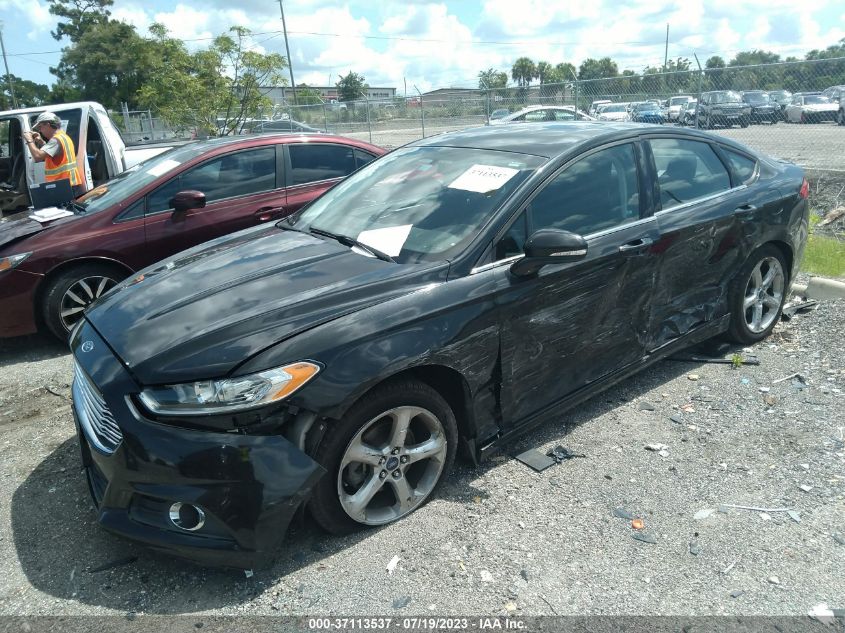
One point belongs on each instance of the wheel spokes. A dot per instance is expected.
(431, 448)
(401, 421)
(363, 454)
(405, 495)
(356, 504)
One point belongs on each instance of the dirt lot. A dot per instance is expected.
(501, 539)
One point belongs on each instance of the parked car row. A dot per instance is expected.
(725, 108)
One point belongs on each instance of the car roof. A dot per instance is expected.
(289, 137)
(554, 139)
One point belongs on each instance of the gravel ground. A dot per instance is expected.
(500, 539)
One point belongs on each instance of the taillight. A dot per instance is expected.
(804, 192)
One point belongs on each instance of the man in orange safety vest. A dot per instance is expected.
(56, 151)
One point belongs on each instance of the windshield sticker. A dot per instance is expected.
(388, 240)
(163, 167)
(483, 178)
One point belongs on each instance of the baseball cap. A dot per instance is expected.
(47, 117)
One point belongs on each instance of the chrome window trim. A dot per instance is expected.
(496, 264)
(700, 200)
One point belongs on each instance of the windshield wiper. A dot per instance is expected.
(73, 205)
(351, 241)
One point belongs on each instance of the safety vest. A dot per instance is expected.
(63, 166)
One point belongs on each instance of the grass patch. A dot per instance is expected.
(824, 256)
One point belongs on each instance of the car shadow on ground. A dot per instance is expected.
(64, 553)
(32, 348)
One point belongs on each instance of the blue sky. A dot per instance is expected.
(438, 44)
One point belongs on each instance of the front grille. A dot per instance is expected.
(96, 420)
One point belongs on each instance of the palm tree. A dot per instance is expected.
(523, 72)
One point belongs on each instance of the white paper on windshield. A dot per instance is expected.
(388, 240)
(483, 178)
(49, 213)
(163, 167)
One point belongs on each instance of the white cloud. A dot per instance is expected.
(32, 13)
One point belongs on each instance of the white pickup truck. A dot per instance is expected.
(98, 143)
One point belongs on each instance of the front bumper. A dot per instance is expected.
(17, 296)
(248, 486)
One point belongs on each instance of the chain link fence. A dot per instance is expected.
(773, 115)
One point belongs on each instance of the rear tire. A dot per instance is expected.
(376, 472)
(757, 294)
(72, 291)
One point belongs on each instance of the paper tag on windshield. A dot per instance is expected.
(483, 178)
(163, 167)
(50, 213)
(388, 240)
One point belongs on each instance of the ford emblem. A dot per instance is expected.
(87, 346)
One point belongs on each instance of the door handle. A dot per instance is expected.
(636, 247)
(745, 211)
(264, 214)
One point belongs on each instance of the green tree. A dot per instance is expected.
(28, 94)
(104, 64)
(351, 86)
(306, 95)
(523, 72)
(597, 68)
(491, 79)
(80, 16)
(213, 90)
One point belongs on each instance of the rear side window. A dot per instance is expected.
(311, 162)
(687, 170)
(742, 165)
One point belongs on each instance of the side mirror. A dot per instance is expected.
(183, 201)
(549, 246)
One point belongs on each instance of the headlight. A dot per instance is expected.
(209, 397)
(7, 263)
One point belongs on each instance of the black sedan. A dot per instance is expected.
(453, 293)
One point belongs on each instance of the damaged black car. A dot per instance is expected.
(445, 298)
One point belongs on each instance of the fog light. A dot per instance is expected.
(186, 516)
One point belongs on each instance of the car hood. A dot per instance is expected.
(18, 226)
(204, 312)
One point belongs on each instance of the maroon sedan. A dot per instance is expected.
(54, 264)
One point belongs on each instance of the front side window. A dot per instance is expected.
(687, 170)
(314, 162)
(598, 192)
(236, 174)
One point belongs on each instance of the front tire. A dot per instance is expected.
(72, 291)
(757, 294)
(385, 458)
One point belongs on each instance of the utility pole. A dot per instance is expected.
(287, 50)
(665, 50)
(8, 75)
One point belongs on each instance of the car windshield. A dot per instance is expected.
(127, 183)
(816, 99)
(755, 97)
(615, 108)
(678, 100)
(419, 203)
(647, 107)
(726, 97)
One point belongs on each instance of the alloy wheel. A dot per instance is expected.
(391, 465)
(763, 294)
(80, 295)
